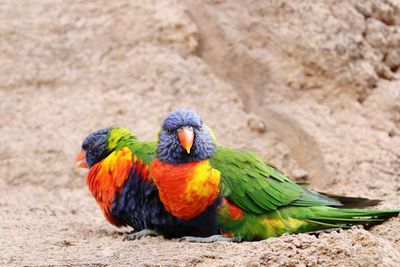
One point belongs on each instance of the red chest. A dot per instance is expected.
(186, 190)
(108, 177)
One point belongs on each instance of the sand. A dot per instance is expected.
(312, 86)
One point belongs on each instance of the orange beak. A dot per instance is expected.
(186, 137)
(81, 160)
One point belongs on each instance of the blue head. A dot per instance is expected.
(94, 148)
(99, 144)
(184, 138)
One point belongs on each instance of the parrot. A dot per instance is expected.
(237, 194)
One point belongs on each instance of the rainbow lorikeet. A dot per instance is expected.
(119, 180)
(236, 192)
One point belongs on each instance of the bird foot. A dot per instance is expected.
(210, 239)
(140, 234)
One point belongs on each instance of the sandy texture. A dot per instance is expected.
(312, 86)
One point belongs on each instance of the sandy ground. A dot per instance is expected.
(312, 86)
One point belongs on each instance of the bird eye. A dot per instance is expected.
(197, 127)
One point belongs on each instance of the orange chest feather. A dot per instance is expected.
(107, 178)
(186, 190)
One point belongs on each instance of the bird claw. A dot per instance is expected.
(210, 239)
(140, 234)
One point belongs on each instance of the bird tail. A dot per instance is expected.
(338, 217)
(353, 202)
(347, 202)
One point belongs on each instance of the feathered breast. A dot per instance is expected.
(107, 178)
(186, 190)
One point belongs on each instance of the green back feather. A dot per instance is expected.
(122, 137)
(259, 187)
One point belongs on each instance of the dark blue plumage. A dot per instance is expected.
(95, 146)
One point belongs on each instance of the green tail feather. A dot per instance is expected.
(349, 216)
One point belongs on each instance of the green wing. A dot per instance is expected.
(123, 137)
(146, 150)
(256, 186)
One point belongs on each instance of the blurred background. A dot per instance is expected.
(312, 86)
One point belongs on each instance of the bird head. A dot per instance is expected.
(99, 144)
(184, 138)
